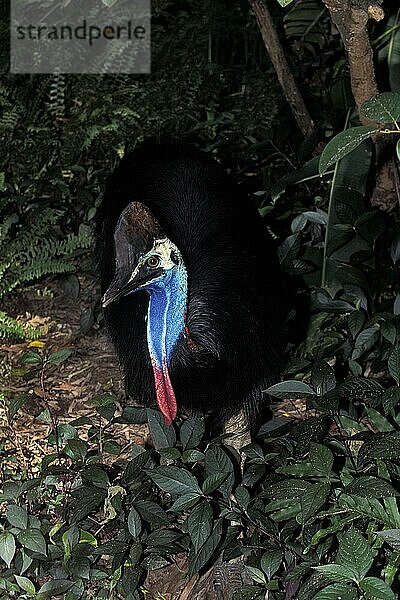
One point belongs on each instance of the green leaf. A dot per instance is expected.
(31, 358)
(192, 431)
(256, 575)
(391, 537)
(383, 108)
(308, 171)
(171, 454)
(335, 592)
(175, 481)
(200, 522)
(136, 415)
(213, 482)
(249, 592)
(162, 537)
(322, 377)
(163, 435)
(365, 340)
(15, 404)
(217, 462)
(377, 589)
(394, 362)
(385, 446)
(199, 557)
(17, 516)
(7, 547)
(26, 585)
(398, 149)
(56, 358)
(313, 498)
(134, 523)
(253, 452)
(284, 3)
(321, 458)
(355, 554)
(151, 512)
(390, 399)
(271, 561)
(192, 456)
(87, 538)
(368, 486)
(55, 587)
(95, 475)
(342, 144)
(83, 506)
(289, 489)
(112, 548)
(184, 503)
(355, 321)
(335, 572)
(33, 540)
(291, 390)
(242, 496)
(359, 388)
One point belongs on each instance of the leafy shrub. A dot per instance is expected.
(314, 512)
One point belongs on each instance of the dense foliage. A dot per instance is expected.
(314, 510)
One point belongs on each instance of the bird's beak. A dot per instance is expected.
(119, 288)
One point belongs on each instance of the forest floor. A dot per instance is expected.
(65, 391)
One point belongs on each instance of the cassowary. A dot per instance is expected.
(192, 293)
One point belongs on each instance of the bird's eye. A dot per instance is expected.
(153, 262)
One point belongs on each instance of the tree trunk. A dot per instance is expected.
(351, 20)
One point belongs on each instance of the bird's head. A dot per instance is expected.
(145, 259)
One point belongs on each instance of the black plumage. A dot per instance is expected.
(235, 323)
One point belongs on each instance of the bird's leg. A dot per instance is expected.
(229, 576)
(237, 428)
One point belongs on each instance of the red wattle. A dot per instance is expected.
(164, 392)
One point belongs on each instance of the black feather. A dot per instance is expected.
(236, 314)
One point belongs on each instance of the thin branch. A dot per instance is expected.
(282, 68)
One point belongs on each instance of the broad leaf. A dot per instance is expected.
(291, 390)
(394, 362)
(26, 585)
(134, 523)
(200, 521)
(175, 481)
(192, 431)
(377, 589)
(163, 435)
(270, 562)
(368, 486)
(17, 516)
(343, 143)
(217, 462)
(321, 458)
(355, 554)
(336, 591)
(383, 108)
(391, 537)
(198, 558)
(336, 572)
(7, 547)
(33, 540)
(151, 512)
(313, 498)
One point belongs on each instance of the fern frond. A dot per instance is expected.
(12, 329)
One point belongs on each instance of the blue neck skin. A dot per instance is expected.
(166, 315)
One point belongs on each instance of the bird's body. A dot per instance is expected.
(193, 296)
